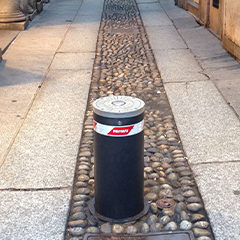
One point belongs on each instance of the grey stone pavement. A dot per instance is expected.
(44, 83)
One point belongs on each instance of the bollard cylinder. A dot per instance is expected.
(119, 159)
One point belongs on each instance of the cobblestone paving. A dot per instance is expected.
(125, 65)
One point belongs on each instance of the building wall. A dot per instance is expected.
(223, 21)
(231, 27)
(232, 20)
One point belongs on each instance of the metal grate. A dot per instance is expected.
(184, 235)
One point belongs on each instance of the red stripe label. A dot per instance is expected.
(118, 131)
(121, 131)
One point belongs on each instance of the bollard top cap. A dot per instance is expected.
(118, 106)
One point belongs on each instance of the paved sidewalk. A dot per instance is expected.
(202, 82)
(44, 82)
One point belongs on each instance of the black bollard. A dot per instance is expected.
(119, 159)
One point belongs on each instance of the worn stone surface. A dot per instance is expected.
(33, 215)
(185, 22)
(155, 18)
(165, 38)
(178, 65)
(230, 90)
(201, 115)
(172, 11)
(60, 133)
(87, 34)
(7, 37)
(224, 181)
(149, 7)
(73, 61)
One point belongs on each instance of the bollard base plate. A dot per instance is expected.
(122, 220)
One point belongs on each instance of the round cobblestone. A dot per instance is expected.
(117, 228)
(144, 228)
(171, 226)
(185, 225)
(131, 230)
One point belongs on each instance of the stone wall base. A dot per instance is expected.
(14, 26)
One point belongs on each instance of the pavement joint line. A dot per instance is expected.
(215, 162)
(22, 122)
(9, 44)
(205, 74)
(169, 49)
(74, 70)
(147, 2)
(182, 82)
(76, 52)
(228, 103)
(68, 28)
(34, 189)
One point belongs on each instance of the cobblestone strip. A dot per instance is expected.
(125, 65)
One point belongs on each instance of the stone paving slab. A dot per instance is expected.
(185, 22)
(83, 20)
(19, 78)
(9, 126)
(54, 21)
(172, 11)
(220, 188)
(230, 90)
(178, 66)
(165, 38)
(34, 64)
(50, 40)
(12, 105)
(6, 37)
(150, 7)
(87, 34)
(92, 7)
(147, 1)
(50, 135)
(155, 18)
(73, 61)
(38, 215)
(209, 129)
(194, 38)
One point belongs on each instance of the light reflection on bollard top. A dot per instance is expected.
(118, 106)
